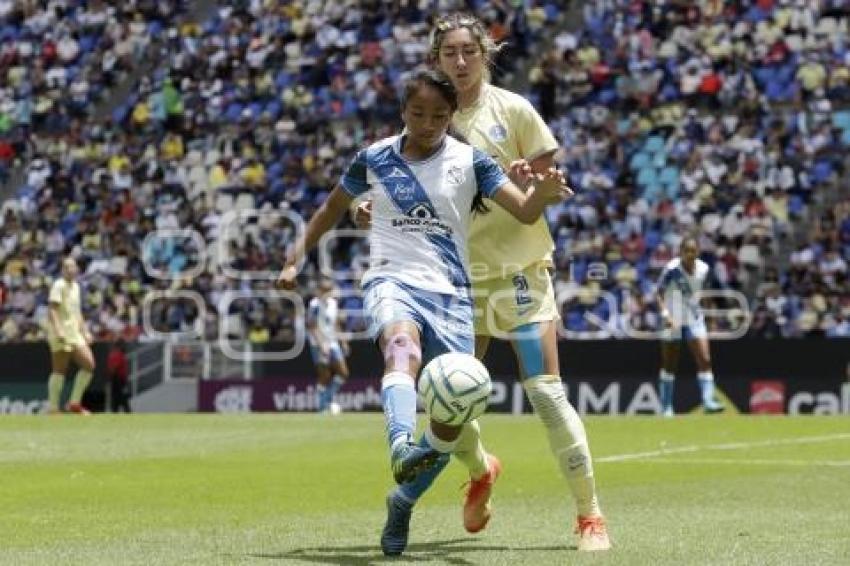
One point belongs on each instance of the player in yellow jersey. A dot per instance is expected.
(512, 287)
(68, 338)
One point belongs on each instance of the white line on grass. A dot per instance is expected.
(751, 462)
(725, 446)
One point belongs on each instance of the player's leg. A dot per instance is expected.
(400, 344)
(59, 360)
(700, 349)
(670, 346)
(338, 370)
(535, 342)
(323, 375)
(84, 359)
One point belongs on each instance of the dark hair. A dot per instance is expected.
(689, 238)
(439, 81)
(436, 80)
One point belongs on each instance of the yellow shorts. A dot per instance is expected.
(68, 345)
(524, 297)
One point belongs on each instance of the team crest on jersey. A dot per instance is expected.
(498, 133)
(455, 175)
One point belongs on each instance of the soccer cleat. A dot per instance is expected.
(397, 527)
(668, 412)
(592, 534)
(77, 408)
(713, 408)
(409, 460)
(476, 508)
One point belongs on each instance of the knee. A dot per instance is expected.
(402, 353)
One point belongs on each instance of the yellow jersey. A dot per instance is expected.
(507, 127)
(66, 295)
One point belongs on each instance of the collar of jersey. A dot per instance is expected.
(479, 102)
(397, 150)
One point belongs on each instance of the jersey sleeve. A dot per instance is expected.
(55, 296)
(312, 313)
(533, 134)
(664, 280)
(353, 180)
(488, 175)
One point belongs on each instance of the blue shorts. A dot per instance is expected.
(686, 332)
(444, 321)
(334, 354)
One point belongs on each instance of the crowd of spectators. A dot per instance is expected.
(724, 118)
(195, 180)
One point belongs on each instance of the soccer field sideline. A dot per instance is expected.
(307, 489)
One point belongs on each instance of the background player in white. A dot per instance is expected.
(424, 185)
(327, 350)
(678, 297)
(68, 338)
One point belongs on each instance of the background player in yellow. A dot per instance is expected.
(68, 339)
(512, 287)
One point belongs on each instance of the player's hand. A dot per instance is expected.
(346, 349)
(554, 182)
(520, 173)
(88, 337)
(667, 320)
(286, 279)
(362, 215)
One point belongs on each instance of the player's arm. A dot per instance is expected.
(542, 164)
(328, 216)
(525, 206)
(54, 321)
(659, 299)
(312, 327)
(83, 327)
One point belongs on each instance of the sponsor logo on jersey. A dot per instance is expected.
(455, 175)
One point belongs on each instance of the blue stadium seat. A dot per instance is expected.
(841, 119)
(639, 161)
(647, 176)
(654, 144)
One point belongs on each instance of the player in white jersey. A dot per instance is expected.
(325, 346)
(424, 185)
(68, 338)
(514, 296)
(678, 295)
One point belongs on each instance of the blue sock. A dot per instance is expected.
(706, 386)
(665, 390)
(415, 489)
(333, 386)
(324, 400)
(399, 399)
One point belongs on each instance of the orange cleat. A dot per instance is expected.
(77, 408)
(476, 508)
(592, 534)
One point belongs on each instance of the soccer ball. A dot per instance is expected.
(454, 388)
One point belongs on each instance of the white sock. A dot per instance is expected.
(567, 439)
(470, 450)
(438, 444)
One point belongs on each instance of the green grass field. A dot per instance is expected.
(308, 489)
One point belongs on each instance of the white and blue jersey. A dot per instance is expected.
(421, 211)
(322, 315)
(681, 291)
